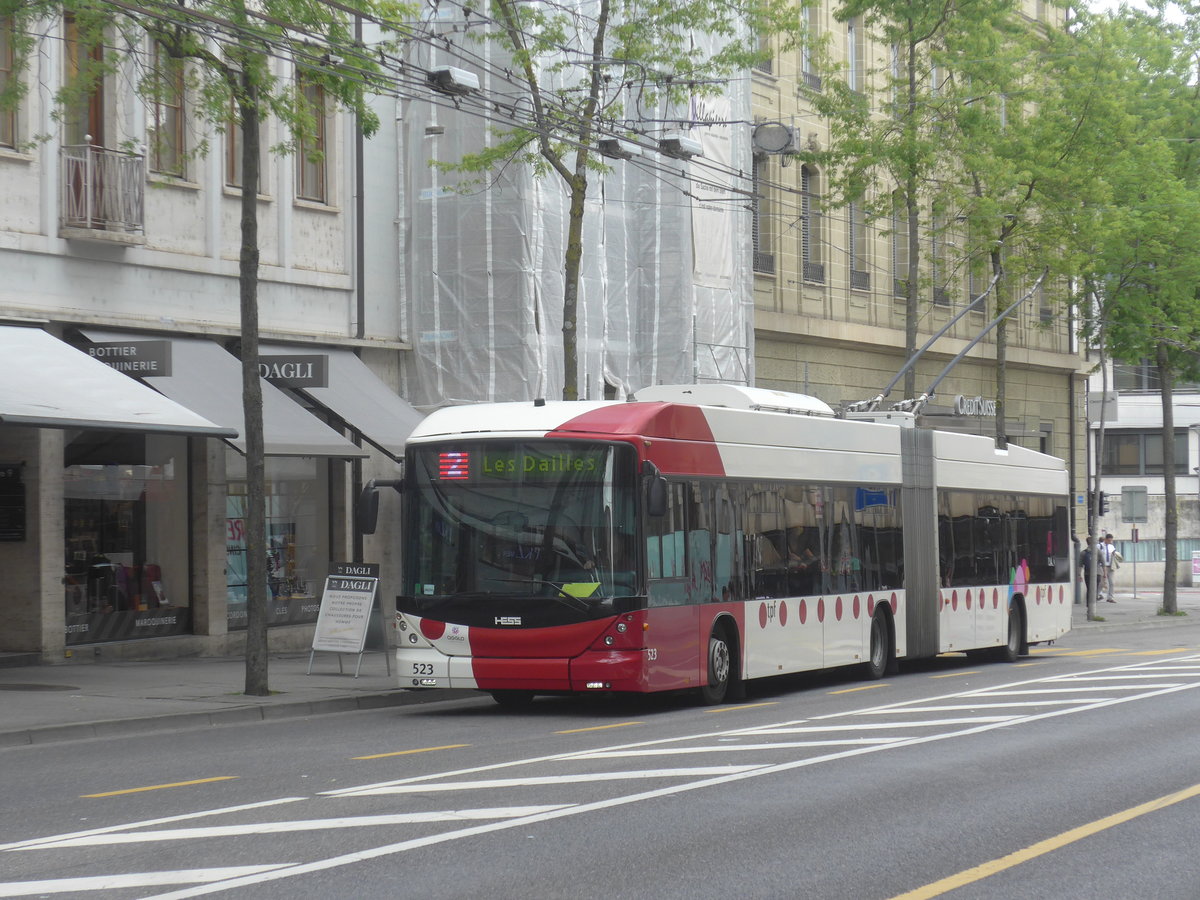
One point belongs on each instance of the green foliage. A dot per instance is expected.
(226, 47)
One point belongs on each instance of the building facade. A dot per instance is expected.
(119, 242)
(830, 285)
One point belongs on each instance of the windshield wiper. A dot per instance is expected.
(562, 595)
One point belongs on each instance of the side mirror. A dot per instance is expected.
(656, 490)
(366, 516)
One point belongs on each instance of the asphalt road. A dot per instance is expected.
(1071, 774)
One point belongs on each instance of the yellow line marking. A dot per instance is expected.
(865, 687)
(957, 674)
(407, 752)
(159, 787)
(721, 709)
(1033, 650)
(1097, 652)
(978, 873)
(599, 727)
(1158, 652)
(1040, 662)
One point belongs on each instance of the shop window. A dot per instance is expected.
(298, 557)
(126, 560)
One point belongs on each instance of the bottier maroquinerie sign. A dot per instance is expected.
(974, 406)
(141, 359)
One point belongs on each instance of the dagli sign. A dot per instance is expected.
(973, 406)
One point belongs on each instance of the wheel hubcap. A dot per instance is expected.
(718, 662)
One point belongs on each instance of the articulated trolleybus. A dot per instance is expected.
(700, 536)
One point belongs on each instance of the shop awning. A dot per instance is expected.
(356, 395)
(208, 380)
(47, 383)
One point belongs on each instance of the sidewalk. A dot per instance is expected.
(48, 703)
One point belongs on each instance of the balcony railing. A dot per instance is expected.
(859, 280)
(102, 189)
(814, 272)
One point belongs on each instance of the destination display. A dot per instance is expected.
(522, 462)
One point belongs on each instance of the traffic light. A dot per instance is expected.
(1103, 503)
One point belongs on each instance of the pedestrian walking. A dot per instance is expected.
(1110, 559)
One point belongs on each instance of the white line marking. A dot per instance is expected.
(973, 706)
(219, 831)
(21, 845)
(137, 879)
(809, 729)
(727, 748)
(611, 803)
(579, 778)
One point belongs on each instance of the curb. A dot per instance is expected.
(50, 734)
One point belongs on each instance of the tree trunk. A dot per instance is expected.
(1166, 381)
(1001, 433)
(571, 264)
(912, 308)
(256, 503)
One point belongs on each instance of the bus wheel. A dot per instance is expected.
(1011, 651)
(714, 690)
(877, 662)
(513, 699)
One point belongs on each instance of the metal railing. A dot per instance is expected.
(102, 189)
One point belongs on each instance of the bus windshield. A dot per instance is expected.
(513, 519)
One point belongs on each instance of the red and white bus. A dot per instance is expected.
(701, 536)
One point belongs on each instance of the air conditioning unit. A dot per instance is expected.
(615, 148)
(452, 81)
(773, 137)
(679, 146)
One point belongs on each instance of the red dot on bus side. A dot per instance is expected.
(857, 607)
(870, 605)
(432, 630)
(895, 604)
(995, 598)
(821, 609)
(803, 612)
(837, 609)
(762, 615)
(969, 598)
(954, 601)
(783, 613)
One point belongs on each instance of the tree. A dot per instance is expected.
(229, 51)
(610, 68)
(894, 122)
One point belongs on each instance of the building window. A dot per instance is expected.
(808, 67)
(166, 127)
(860, 277)
(1141, 453)
(83, 113)
(127, 547)
(900, 254)
(298, 548)
(810, 234)
(311, 147)
(8, 115)
(855, 76)
(765, 62)
(764, 259)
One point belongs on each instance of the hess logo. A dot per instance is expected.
(508, 620)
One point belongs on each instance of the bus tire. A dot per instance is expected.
(720, 660)
(1011, 651)
(513, 699)
(880, 650)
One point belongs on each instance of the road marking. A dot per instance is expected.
(108, 829)
(137, 879)
(286, 827)
(407, 752)
(978, 873)
(159, 787)
(369, 853)
(1158, 652)
(723, 709)
(865, 687)
(740, 748)
(957, 674)
(582, 778)
(1097, 652)
(810, 729)
(1026, 665)
(599, 727)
